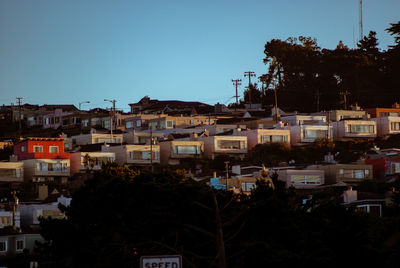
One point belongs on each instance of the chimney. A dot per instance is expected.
(350, 195)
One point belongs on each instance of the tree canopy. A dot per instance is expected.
(119, 216)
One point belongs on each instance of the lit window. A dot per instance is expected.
(22, 149)
(53, 149)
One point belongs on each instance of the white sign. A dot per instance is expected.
(166, 261)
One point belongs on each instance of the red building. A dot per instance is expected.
(384, 167)
(40, 148)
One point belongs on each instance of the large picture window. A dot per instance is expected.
(273, 138)
(231, 144)
(360, 128)
(187, 149)
(315, 133)
(305, 179)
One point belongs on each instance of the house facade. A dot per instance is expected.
(93, 138)
(46, 170)
(174, 151)
(351, 129)
(384, 112)
(11, 172)
(89, 161)
(233, 146)
(301, 178)
(346, 172)
(130, 154)
(261, 136)
(304, 134)
(387, 125)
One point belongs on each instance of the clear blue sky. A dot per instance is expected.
(70, 51)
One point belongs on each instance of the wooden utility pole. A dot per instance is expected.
(344, 94)
(237, 83)
(249, 74)
(227, 173)
(151, 149)
(15, 204)
(19, 114)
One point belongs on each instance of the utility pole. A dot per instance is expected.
(19, 114)
(237, 83)
(151, 149)
(249, 74)
(111, 116)
(318, 96)
(15, 204)
(361, 23)
(227, 173)
(345, 94)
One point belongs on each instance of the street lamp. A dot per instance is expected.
(111, 116)
(82, 103)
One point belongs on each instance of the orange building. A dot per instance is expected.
(384, 112)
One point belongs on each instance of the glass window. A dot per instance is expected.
(138, 123)
(19, 243)
(143, 155)
(22, 149)
(395, 125)
(360, 128)
(3, 246)
(305, 179)
(395, 167)
(38, 149)
(229, 144)
(314, 134)
(359, 174)
(129, 124)
(53, 149)
(187, 149)
(248, 186)
(170, 124)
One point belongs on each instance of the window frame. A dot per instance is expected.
(5, 246)
(52, 147)
(38, 146)
(16, 244)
